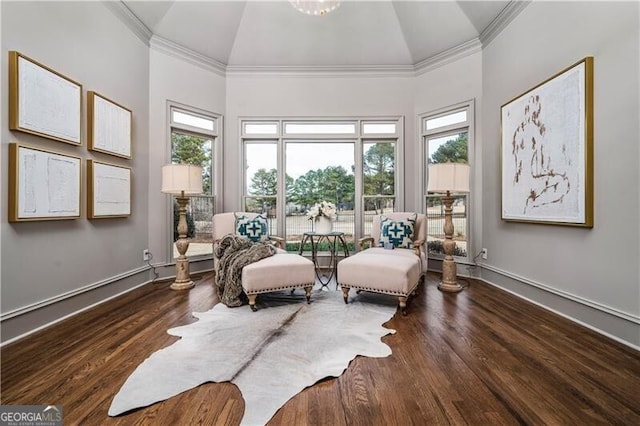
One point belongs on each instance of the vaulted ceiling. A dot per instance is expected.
(358, 33)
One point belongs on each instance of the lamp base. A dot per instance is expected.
(450, 287)
(183, 280)
(449, 281)
(182, 286)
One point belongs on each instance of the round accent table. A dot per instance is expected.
(337, 247)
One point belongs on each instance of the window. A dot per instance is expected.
(260, 128)
(193, 141)
(446, 138)
(379, 180)
(379, 128)
(320, 171)
(319, 128)
(351, 163)
(261, 180)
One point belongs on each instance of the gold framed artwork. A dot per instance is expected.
(43, 185)
(42, 101)
(108, 190)
(547, 150)
(108, 126)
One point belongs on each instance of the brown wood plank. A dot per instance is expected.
(481, 356)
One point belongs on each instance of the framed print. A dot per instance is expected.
(43, 185)
(42, 101)
(108, 126)
(108, 190)
(547, 151)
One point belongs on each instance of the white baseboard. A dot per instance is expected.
(33, 306)
(24, 321)
(49, 324)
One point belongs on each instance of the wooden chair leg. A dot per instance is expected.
(307, 292)
(345, 294)
(252, 302)
(403, 304)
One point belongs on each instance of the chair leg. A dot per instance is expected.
(403, 304)
(252, 302)
(307, 292)
(345, 294)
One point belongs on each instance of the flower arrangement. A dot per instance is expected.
(323, 208)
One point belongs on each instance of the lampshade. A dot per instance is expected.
(177, 178)
(452, 177)
(315, 7)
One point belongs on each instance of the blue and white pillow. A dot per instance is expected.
(255, 229)
(399, 233)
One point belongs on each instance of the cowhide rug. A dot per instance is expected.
(271, 354)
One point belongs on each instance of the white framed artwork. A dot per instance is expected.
(43, 185)
(547, 151)
(108, 126)
(108, 190)
(42, 101)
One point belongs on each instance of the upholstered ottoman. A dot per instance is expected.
(279, 272)
(392, 273)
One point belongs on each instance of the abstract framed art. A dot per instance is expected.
(42, 101)
(108, 126)
(43, 185)
(547, 151)
(108, 190)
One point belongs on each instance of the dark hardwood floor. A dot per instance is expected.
(478, 357)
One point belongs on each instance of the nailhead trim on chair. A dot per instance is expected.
(268, 290)
(389, 292)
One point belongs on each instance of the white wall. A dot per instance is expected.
(172, 79)
(335, 97)
(596, 267)
(44, 260)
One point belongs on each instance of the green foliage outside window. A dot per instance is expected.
(188, 149)
(379, 170)
(437, 247)
(294, 247)
(191, 225)
(454, 151)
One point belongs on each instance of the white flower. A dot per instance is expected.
(323, 208)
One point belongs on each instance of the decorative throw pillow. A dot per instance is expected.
(255, 229)
(397, 232)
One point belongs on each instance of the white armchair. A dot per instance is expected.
(278, 272)
(396, 271)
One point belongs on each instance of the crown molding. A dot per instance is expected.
(321, 70)
(450, 55)
(122, 12)
(511, 10)
(504, 18)
(177, 51)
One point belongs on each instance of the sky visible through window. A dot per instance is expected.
(301, 157)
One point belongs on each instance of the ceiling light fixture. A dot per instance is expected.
(315, 7)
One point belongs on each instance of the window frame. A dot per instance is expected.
(357, 137)
(425, 135)
(216, 162)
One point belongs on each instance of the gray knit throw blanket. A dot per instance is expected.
(232, 254)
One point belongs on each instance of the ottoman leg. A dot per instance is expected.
(345, 294)
(252, 302)
(307, 292)
(403, 304)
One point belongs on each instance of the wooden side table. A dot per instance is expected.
(337, 244)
